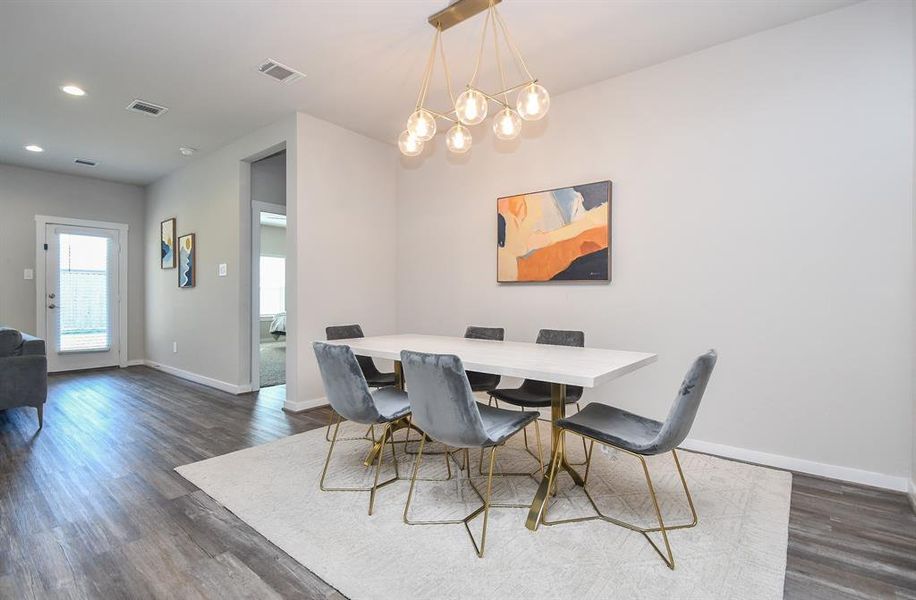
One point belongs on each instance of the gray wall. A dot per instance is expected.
(268, 179)
(762, 204)
(25, 193)
(211, 322)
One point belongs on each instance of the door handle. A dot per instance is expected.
(52, 306)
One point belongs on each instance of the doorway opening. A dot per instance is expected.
(268, 268)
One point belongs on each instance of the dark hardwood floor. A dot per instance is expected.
(91, 508)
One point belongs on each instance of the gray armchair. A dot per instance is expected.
(23, 371)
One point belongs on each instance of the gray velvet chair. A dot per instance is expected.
(484, 382)
(349, 395)
(374, 377)
(536, 394)
(443, 406)
(23, 371)
(641, 437)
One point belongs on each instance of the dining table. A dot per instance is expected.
(559, 366)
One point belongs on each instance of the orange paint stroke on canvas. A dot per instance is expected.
(544, 263)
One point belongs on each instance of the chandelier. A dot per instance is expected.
(471, 107)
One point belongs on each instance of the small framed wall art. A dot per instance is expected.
(167, 243)
(187, 261)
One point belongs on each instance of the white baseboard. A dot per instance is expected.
(912, 495)
(295, 406)
(135, 362)
(201, 379)
(880, 480)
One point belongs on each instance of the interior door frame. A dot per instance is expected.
(257, 207)
(41, 289)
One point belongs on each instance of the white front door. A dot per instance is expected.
(82, 305)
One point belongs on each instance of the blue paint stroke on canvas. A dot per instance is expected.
(166, 255)
(186, 264)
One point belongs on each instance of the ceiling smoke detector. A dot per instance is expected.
(279, 72)
(187, 150)
(85, 162)
(147, 108)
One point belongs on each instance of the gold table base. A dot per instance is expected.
(558, 449)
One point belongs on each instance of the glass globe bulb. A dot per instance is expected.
(507, 124)
(422, 125)
(409, 144)
(533, 102)
(471, 107)
(458, 139)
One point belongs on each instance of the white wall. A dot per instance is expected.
(211, 322)
(762, 205)
(344, 222)
(25, 193)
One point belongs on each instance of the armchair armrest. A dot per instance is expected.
(32, 345)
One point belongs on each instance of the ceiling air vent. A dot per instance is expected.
(279, 71)
(85, 162)
(147, 108)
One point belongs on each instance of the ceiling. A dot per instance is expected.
(362, 59)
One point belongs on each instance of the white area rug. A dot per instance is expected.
(738, 550)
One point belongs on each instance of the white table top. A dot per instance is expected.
(587, 367)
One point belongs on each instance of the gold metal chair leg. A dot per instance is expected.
(378, 467)
(375, 485)
(327, 434)
(661, 523)
(693, 510)
(537, 433)
(486, 499)
(413, 477)
(668, 554)
(588, 460)
(486, 509)
(574, 464)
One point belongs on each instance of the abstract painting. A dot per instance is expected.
(167, 243)
(555, 235)
(187, 261)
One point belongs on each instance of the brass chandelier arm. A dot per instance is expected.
(513, 49)
(483, 39)
(441, 115)
(428, 71)
(499, 62)
(448, 76)
(495, 97)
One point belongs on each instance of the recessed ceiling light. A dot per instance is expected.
(73, 90)
(187, 151)
(34, 148)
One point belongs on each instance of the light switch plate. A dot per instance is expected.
(28, 274)
(223, 269)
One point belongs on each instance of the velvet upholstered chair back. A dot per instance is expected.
(556, 337)
(346, 332)
(441, 400)
(485, 333)
(684, 410)
(344, 383)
